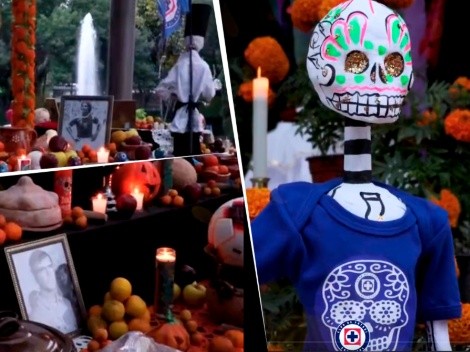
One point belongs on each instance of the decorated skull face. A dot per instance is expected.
(359, 61)
(373, 292)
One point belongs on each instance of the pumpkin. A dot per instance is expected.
(183, 173)
(143, 176)
(172, 334)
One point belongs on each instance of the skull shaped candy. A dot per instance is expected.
(373, 292)
(359, 61)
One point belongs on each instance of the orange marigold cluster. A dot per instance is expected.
(457, 124)
(450, 203)
(23, 56)
(428, 117)
(459, 329)
(245, 90)
(326, 6)
(397, 4)
(304, 14)
(267, 53)
(257, 199)
(463, 82)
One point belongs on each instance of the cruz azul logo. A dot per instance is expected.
(352, 335)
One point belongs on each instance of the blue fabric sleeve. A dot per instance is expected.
(277, 243)
(438, 287)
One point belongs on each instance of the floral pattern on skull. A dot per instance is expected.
(359, 61)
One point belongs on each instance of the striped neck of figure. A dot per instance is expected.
(357, 152)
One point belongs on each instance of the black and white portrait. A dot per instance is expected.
(46, 284)
(86, 120)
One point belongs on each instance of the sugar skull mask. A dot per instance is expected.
(359, 61)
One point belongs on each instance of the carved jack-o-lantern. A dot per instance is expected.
(143, 176)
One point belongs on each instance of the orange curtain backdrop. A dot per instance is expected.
(23, 56)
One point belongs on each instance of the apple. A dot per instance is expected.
(142, 153)
(194, 294)
(58, 144)
(192, 192)
(176, 291)
(133, 140)
(126, 205)
(48, 161)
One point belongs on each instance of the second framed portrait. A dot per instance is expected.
(46, 284)
(86, 120)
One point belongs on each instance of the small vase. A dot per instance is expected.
(325, 168)
(15, 138)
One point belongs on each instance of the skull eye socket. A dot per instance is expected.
(385, 312)
(347, 310)
(356, 62)
(394, 64)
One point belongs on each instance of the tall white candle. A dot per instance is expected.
(103, 155)
(260, 126)
(99, 203)
(139, 197)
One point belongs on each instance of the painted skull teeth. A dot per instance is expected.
(380, 344)
(366, 105)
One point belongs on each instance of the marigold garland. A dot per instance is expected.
(450, 203)
(459, 329)
(457, 124)
(428, 117)
(463, 82)
(304, 14)
(257, 199)
(23, 56)
(245, 90)
(326, 6)
(267, 53)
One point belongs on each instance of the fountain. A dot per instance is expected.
(87, 59)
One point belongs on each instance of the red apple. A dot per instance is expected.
(126, 205)
(192, 192)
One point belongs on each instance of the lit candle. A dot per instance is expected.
(103, 155)
(165, 259)
(139, 197)
(260, 126)
(24, 163)
(99, 203)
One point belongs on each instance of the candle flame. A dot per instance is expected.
(99, 196)
(259, 71)
(136, 190)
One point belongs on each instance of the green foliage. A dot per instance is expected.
(422, 159)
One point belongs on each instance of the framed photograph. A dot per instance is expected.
(85, 120)
(46, 284)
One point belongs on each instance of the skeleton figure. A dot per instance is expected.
(367, 260)
(359, 62)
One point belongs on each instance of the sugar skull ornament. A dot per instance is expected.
(359, 61)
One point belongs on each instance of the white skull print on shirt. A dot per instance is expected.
(372, 292)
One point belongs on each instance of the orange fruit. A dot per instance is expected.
(68, 220)
(146, 316)
(220, 344)
(77, 212)
(117, 329)
(210, 160)
(172, 192)
(166, 199)
(86, 148)
(191, 326)
(185, 315)
(13, 231)
(215, 191)
(223, 170)
(2, 146)
(93, 346)
(178, 201)
(138, 324)
(82, 222)
(198, 339)
(93, 156)
(3, 237)
(120, 289)
(96, 322)
(135, 306)
(113, 310)
(94, 310)
(236, 336)
(81, 154)
(100, 334)
(3, 220)
(112, 148)
(207, 191)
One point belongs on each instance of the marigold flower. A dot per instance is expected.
(463, 82)
(245, 90)
(267, 53)
(457, 125)
(428, 117)
(304, 14)
(450, 203)
(326, 6)
(257, 199)
(397, 4)
(459, 329)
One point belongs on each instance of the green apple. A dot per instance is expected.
(71, 153)
(194, 294)
(176, 291)
(61, 158)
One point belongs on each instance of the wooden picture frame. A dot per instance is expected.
(86, 120)
(46, 284)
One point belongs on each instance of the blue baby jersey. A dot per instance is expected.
(363, 284)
